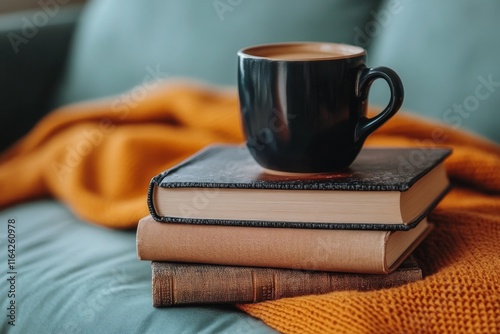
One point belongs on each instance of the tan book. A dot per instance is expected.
(358, 251)
(384, 189)
(185, 283)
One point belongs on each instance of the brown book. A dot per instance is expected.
(184, 283)
(385, 188)
(359, 251)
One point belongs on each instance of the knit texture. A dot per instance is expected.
(98, 157)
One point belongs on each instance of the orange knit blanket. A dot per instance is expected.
(98, 158)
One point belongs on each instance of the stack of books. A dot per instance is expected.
(223, 230)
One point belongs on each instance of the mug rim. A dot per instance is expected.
(350, 51)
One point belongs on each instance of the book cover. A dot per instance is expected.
(385, 188)
(355, 251)
(185, 283)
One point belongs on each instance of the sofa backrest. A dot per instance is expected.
(120, 43)
(447, 52)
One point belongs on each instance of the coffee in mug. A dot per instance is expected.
(303, 105)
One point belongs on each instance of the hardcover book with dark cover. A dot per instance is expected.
(385, 189)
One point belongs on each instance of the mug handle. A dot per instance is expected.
(366, 77)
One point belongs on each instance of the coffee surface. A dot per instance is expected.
(305, 55)
(304, 51)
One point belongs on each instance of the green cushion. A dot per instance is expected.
(447, 54)
(75, 277)
(120, 43)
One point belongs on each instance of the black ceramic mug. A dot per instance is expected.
(303, 105)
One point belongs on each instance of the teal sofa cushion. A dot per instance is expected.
(121, 43)
(448, 56)
(75, 277)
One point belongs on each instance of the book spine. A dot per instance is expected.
(180, 283)
(308, 249)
